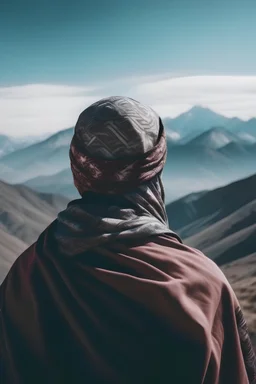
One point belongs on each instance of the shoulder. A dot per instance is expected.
(191, 262)
(191, 272)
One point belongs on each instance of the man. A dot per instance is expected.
(108, 293)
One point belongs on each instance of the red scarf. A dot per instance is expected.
(117, 176)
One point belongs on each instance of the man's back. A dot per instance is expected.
(125, 313)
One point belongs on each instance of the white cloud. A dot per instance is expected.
(228, 95)
(40, 108)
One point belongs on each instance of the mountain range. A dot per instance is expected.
(218, 137)
(12, 144)
(198, 120)
(43, 158)
(221, 222)
(205, 150)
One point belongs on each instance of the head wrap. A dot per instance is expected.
(117, 154)
(118, 144)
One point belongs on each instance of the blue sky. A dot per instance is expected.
(80, 41)
(104, 43)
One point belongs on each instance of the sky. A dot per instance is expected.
(58, 56)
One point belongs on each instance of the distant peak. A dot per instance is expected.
(198, 107)
(218, 129)
(215, 138)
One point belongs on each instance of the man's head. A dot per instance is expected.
(118, 143)
(118, 148)
(116, 127)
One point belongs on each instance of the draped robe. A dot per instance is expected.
(144, 311)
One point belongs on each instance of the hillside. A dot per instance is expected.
(196, 212)
(221, 223)
(216, 138)
(12, 144)
(59, 183)
(6, 145)
(242, 276)
(10, 248)
(24, 214)
(248, 126)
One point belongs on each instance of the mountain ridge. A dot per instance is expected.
(217, 137)
(210, 202)
(45, 166)
(26, 213)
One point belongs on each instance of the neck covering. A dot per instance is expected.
(117, 154)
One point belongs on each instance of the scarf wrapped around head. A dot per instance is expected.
(117, 155)
(115, 176)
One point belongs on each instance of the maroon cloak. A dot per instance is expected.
(150, 311)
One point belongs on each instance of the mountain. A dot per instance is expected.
(25, 214)
(195, 121)
(205, 158)
(218, 137)
(199, 120)
(6, 145)
(192, 168)
(59, 183)
(12, 144)
(44, 158)
(10, 248)
(238, 149)
(221, 222)
(247, 137)
(240, 126)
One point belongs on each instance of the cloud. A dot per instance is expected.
(44, 108)
(228, 95)
(41, 108)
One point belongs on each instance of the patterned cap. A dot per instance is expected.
(116, 127)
